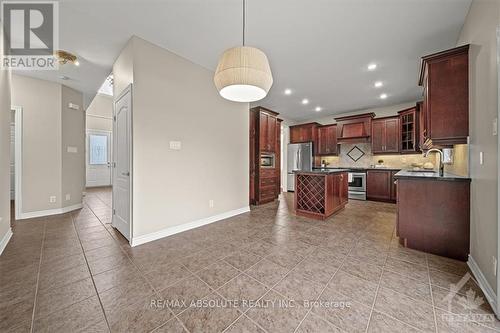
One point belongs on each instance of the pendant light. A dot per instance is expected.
(243, 73)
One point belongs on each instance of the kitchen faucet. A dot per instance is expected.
(441, 159)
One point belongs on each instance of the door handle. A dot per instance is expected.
(126, 173)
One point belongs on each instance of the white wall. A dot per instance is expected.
(100, 113)
(5, 84)
(46, 120)
(176, 100)
(480, 31)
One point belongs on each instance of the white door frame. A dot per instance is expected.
(18, 160)
(123, 93)
(110, 146)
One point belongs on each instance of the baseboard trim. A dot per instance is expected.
(5, 240)
(186, 226)
(483, 284)
(48, 212)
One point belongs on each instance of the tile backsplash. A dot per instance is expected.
(368, 159)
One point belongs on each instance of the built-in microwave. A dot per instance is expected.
(267, 160)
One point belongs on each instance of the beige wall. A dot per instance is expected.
(5, 83)
(100, 113)
(73, 135)
(176, 100)
(45, 114)
(42, 163)
(480, 31)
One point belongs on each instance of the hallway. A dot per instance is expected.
(73, 273)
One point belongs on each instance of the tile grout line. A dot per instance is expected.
(38, 277)
(432, 294)
(142, 274)
(90, 272)
(379, 283)
(326, 286)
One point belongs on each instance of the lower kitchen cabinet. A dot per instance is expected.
(433, 215)
(380, 185)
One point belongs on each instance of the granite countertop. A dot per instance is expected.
(362, 168)
(322, 171)
(430, 175)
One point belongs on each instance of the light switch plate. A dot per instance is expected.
(495, 126)
(74, 106)
(72, 149)
(175, 145)
(481, 158)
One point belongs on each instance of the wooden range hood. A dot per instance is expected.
(355, 128)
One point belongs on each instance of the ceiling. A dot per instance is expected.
(319, 49)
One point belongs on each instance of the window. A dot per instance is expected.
(98, 149)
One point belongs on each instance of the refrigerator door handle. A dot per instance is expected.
(299, 160)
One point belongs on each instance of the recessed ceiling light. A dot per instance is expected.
(318, 109)
(305, 101)
(288, 91)
(383, 96)
(77, 63)
(378, 84)
(372, 67)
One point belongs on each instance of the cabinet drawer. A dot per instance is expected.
(268, 181)
(267, 192)
(267, 173)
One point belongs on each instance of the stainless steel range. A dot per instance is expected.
(357, 184)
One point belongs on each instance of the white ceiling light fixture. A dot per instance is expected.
(243, 73)
(383, 96)
(288, 91)
(318, 109)
(305, 101)
(378, 84)
(372, 67)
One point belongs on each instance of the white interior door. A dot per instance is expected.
(122, 163)
(12, 155)
(98, 158)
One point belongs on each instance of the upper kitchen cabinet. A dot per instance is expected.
(445, 79)
(267, 128)
(327, 140)
(409, 129)
(385, 135)
(354, 128)
(304, 133)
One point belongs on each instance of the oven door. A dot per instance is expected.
(357, 181)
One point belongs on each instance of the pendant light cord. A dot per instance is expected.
(244, 19)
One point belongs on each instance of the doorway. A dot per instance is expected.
(122, 166)
(98, 158)
(16, 135)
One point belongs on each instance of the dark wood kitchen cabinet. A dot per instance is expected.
(409, 129)
(267, 131)
(385, 135)
(444, 77)
(433, 215)
(265, 142)
(304, 133)
(327, 140)
(319, 195)
(378, 185)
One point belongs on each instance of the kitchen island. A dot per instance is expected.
(433, 213)
(320, 193)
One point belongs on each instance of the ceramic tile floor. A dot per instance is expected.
(264, 271)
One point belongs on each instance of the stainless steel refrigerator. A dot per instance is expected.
(299, 157)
